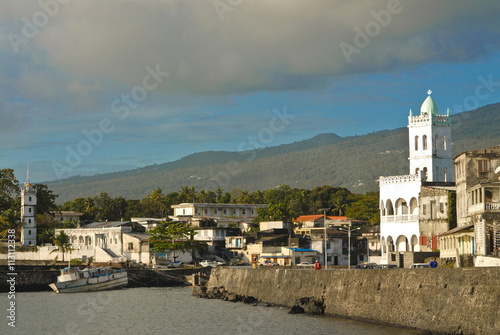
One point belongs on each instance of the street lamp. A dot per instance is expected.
(324, 210)
(349, 243)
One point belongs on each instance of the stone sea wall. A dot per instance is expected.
(442, 301)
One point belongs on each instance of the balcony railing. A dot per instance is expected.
(399, 218)
(484, 206)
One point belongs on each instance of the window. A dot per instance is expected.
(445, 174)
(424, 142)
(416, 143)
(29, 198)
(29, 209)
(131, 246)
(436, 142)
(424, 209)
(441, 207)
(445, 144)
(483, 165)
(243, 211)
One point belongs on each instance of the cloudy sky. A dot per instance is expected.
(97, 86)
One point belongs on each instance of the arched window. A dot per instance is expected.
(416, 143)
(436, 142)
(417, 170)
(445, 174)
(445, 145)
(424, 142)
(425, 174)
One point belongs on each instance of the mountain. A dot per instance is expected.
(327, 159)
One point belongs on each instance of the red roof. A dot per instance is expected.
(319, 216)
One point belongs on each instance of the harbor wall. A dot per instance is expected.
(444, 300)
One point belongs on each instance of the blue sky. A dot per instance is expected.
(98, 86)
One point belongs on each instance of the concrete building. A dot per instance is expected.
(478, 197)
(223, 214)
(110, 242)
(63, 216)
(405, 198)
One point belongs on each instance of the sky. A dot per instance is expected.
(90, 87)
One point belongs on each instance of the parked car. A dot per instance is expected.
(367, 266)
(268, 262)
(207, 263)
(388, 266)
(176, 264)
(419, 266)
(305, 264)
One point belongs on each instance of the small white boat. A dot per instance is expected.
(89, 279)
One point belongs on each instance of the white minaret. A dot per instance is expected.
(28, 206)
(430, 143)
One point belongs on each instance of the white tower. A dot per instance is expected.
(28, 205)
(430, 143)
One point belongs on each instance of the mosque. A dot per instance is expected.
(414, 207)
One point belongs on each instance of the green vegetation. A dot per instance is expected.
(172, 237)
(63, 243)
(354, 163)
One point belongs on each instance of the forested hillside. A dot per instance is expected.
(327, 159)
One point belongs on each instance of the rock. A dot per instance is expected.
(296, 310)
(232, 297)
(311, 305)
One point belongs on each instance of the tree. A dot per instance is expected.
(63, 243)
(9, 189)
(365, 207)
(173, 237)
(45, 199)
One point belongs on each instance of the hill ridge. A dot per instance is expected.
(354, 162)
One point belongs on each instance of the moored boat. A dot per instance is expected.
(89, 279)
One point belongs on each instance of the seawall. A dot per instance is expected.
(444, 300)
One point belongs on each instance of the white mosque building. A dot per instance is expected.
(412, 216)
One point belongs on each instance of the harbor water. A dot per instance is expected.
(167, 310)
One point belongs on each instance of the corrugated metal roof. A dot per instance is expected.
(319, 216)
(302, 249)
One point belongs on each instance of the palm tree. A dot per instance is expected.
(63, 243)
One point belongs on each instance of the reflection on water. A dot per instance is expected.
(166, 311)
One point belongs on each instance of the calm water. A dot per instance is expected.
(165, 311)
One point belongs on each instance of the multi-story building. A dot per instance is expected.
(223, 214)
(478, 197)
(63, 216)
(404, 199)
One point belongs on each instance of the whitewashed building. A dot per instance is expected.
(28, 212)
(223, 214)
(430, 165)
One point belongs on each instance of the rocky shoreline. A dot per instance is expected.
(308, 305)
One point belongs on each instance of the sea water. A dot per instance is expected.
(168, 310)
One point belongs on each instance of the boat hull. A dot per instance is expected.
(109, 282)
